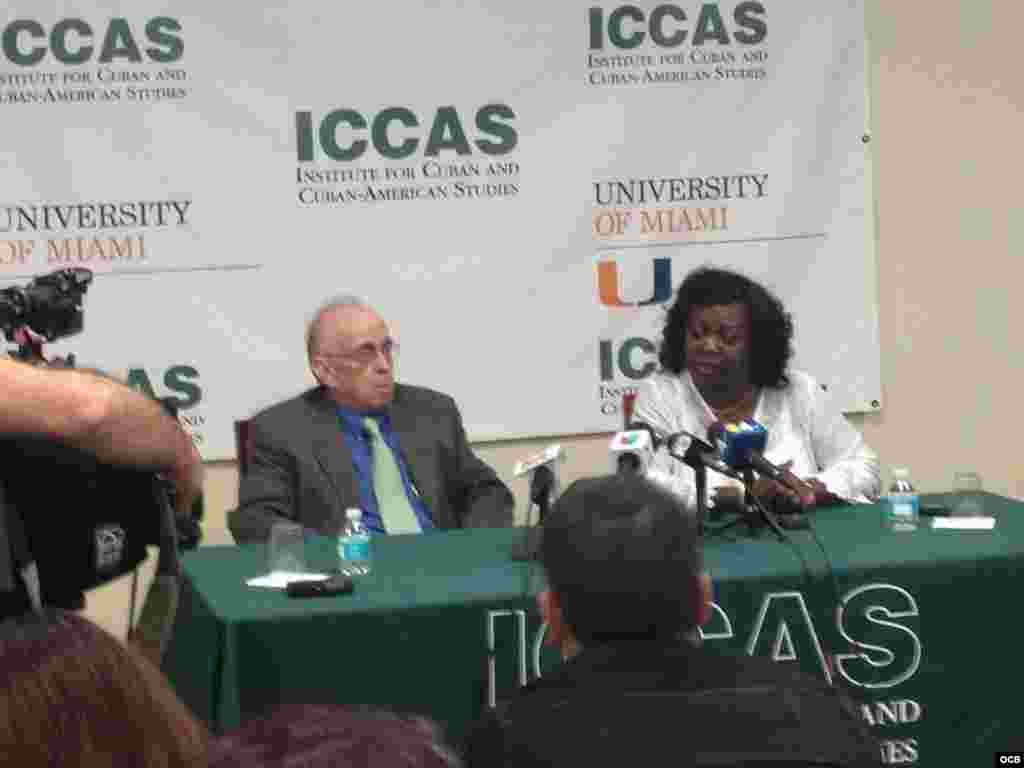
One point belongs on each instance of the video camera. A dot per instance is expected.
(82, 523)
(48, 308)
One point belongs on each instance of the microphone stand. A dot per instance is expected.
(542, 483)
(751, 514)
(756, 513)
(692, 460)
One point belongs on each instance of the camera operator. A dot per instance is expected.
(106, 424)
(85, 411)
(87, 469)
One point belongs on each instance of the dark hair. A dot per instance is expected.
(771, 327)
(326, 735)
(71, 694)
(622, 556)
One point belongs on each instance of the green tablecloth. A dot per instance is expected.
(934, 613)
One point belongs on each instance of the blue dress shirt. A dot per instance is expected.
(358, 442)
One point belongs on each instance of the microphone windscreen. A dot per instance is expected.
(736, 442)
(639, 426)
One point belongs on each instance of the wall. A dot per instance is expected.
(947, 106)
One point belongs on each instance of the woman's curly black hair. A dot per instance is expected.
(771, 327)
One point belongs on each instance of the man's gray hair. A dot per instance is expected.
(313, 329)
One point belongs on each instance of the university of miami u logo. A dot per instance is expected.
(608, 284)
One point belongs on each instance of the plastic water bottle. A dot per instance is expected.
(902, 505)
(354, 545)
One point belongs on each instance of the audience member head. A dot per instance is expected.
(324, 736)
(71, 694)
(351, 354)
(727, 331)
(623, 564)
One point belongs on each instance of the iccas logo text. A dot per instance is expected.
(635, 358)
(26, 42)
(180, 380)
(397, 133)
(671, 25)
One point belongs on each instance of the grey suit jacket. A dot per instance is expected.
(300, 467)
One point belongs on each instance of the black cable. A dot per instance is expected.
(808, 578)
(828, 562)
(769, 517)
(832, 577)
(720, 530)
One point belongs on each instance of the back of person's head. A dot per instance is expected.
(323, 736)
(71, 694)
(622, 557)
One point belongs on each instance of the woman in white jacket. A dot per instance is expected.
(724, 358)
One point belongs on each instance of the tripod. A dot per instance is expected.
(752, 512)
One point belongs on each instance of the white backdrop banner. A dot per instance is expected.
(518, 187)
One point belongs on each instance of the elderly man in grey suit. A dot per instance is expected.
(397, 452)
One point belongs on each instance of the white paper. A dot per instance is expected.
(979, 523)
(281, 579)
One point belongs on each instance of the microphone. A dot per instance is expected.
(544, 488)
(633, 449)
(741, 446)
(690, 449)
(544, 481)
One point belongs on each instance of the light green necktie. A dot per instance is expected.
(392, 501)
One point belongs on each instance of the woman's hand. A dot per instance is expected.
(803, 496)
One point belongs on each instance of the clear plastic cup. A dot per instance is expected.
(286, 548)
(967, 495)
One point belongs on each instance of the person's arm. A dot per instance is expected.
(483, 500)
(849, 468)
(266, 492)
(101, 417)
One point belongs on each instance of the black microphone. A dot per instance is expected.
(542, 468)
(697, 451)
(542, 485)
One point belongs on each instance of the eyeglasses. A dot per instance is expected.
(366, 353)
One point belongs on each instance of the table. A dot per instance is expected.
(925, 638)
